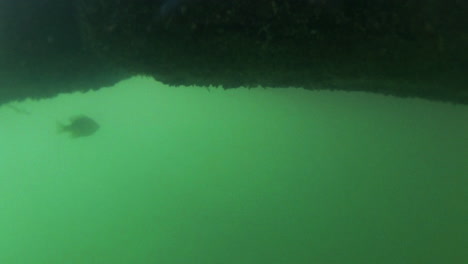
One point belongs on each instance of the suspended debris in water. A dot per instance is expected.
(79, 126)
(18, 110)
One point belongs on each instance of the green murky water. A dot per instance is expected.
(190, 175)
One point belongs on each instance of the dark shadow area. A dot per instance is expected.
(410, 48)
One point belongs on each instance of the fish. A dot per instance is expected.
(79, 126)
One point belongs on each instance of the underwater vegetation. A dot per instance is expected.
(79, 126)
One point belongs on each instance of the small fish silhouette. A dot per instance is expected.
(79, 126)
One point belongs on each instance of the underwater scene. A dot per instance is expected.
(146, 173)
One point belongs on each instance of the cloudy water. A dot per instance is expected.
(186, 175)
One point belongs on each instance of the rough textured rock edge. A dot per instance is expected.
(410, 48)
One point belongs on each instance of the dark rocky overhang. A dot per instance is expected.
(405, 48)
